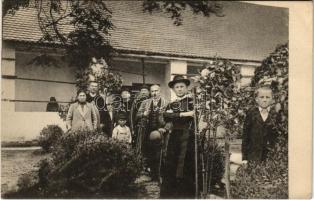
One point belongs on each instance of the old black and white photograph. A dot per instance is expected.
(144, 99)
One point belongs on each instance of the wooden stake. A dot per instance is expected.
(227, 165)
(195, 142)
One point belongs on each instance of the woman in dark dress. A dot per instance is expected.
(178, 174)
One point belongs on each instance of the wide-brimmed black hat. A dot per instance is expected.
(179, 79)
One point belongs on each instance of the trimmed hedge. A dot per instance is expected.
(86, 164)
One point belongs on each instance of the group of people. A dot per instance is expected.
(165, 130)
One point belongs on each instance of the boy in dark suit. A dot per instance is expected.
(259, 127)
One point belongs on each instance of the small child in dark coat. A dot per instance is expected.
(259, 127)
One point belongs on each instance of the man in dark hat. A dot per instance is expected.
(151, 110)
(178, 180)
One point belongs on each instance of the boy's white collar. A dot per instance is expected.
(260, 109)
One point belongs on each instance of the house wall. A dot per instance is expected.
(25, 120)
(32, 90)
(132, 69)
(18, 126)
(7, 69)
(40, 90)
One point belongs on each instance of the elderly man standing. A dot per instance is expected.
(151, 110)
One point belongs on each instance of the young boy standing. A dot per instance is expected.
(122, 132)
(258, 129)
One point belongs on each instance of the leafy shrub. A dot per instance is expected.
(26, 181)
(269, 179)
(266, 180)
(49, 136)
(88, 164)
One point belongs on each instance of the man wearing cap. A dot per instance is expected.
(178, 180)
(152, 109)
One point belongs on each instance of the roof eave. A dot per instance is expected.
(40, 44)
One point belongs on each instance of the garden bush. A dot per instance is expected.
(49, 136)
(26, 181)
(89, 164)
(269, 179)
(85, 164)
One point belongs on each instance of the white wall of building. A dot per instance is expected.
(24, 120)
(39, 90)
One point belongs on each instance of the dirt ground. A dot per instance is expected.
(16, 162)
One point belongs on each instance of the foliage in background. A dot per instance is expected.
(176, 8)
(86, 164)
(270, 178)
(220, 103)
(10, 6)
(98, 71)
(220, 96)
(63, 110)
(49, 136)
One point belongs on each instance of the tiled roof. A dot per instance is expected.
(247, 31)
